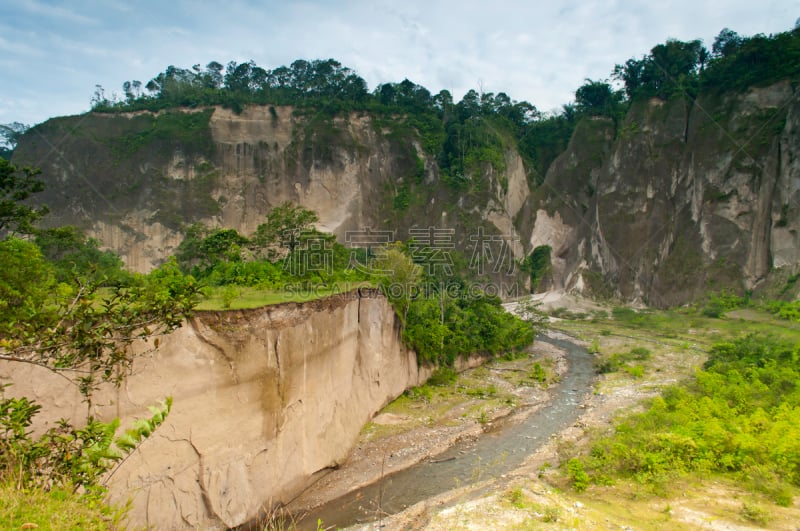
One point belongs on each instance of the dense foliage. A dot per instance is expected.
(740, 415)
(538, 265)
(789, 310)
(17, 185)
(735, 62)
(467, 136)
(442, 329)
(463, 136)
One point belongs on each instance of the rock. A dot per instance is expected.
(262, 400)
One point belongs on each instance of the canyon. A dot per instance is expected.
(676, 199)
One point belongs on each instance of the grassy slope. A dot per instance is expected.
(541, 497)
(245, 297)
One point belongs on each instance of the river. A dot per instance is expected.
(497, 452)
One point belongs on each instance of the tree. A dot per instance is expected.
(212, 78)
(17, 186)
(670, 68)
(81, 334)
(285, 227)
(223, 245)
(597, 98)
(189, 252)
(399, 277)
(726, 43)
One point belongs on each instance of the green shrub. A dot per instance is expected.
(623, 313)
(229, 294)
(443, 376)
(538, 373)
(740, 415)
(637, 371)
(755, 513)
(577, 475)
(719, 303)
(422, 392)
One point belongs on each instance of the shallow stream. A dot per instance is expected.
(496, 452)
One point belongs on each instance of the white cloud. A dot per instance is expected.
(54, 11)
(533, 51)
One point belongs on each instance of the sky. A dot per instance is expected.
(54, 52)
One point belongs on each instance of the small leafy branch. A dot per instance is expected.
(66, 456)
(87, 337)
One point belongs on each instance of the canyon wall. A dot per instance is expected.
(135, 181)
(264, 400)
(676, 199)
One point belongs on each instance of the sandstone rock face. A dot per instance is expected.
(135, 181)
(677, 199)
(263, 400)
(682, 199)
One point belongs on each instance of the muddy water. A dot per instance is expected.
(493, 454)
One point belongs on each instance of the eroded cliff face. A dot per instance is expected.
(135, 181)
(678, 199)
(674, 200)
(263, 401)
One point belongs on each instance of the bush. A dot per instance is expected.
(443, 376)
(621, 360)
(719, 303)
(740, 415)
(577, 475)
(538, 373)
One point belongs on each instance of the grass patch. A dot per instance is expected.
(220, 298)
(57, 509)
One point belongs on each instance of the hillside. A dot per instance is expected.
(677, 186)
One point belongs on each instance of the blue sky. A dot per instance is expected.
(54, 52)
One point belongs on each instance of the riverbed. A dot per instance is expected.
(475, 456)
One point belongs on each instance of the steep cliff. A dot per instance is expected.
(678, 199)
(136, 180)
(263, 401)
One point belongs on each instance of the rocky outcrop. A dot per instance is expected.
(678, 199)
(135, 181)
(263, 401)
(674, 200)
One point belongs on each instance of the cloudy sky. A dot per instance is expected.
(54, 52)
